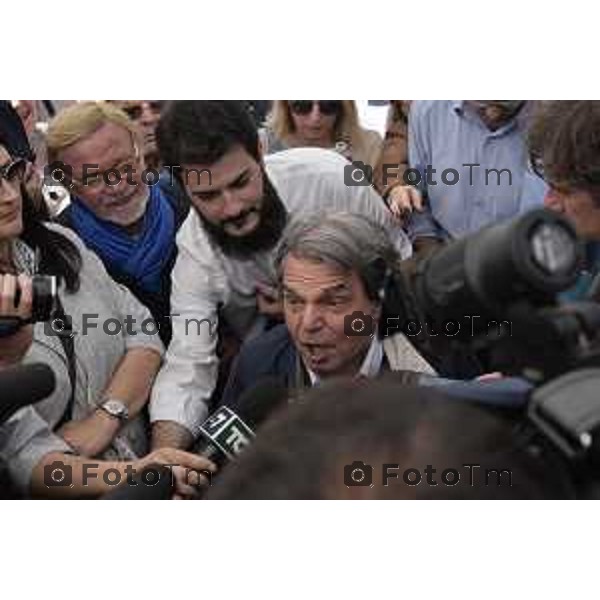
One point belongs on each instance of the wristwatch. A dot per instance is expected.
(115, 408)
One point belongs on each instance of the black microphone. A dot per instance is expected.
(23, 385)
(223, 436)
(230, 429)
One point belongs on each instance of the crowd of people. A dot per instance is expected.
(201, 248)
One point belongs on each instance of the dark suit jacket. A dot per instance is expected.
(273, 354)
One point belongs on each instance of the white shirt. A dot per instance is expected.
(307, 180)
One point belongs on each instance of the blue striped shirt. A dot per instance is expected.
(448, 134)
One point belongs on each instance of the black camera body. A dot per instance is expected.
(45, 293)
(516, 271)
(44, 303)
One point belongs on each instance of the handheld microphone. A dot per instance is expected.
(23, 385)
(230, 429)
(223, 436)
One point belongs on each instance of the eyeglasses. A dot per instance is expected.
(537, 166)
(135, 111)
(97, 179)
(567, 183)
(326, 107)
(14, 172)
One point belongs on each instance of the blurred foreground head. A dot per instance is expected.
(377, 439)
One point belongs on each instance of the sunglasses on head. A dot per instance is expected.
(326, 107)
(135, 111)
(14, 171)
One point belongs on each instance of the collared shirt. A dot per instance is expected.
(371, 365)
(448, 134)
(308, 181)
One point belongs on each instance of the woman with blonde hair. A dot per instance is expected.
(323, 123)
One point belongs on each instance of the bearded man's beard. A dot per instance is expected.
(266, 235)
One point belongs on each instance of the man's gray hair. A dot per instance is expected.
(348, 241)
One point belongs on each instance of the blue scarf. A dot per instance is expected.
(141, 257)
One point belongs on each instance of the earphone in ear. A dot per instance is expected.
(379, 275)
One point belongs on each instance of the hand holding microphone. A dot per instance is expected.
(230, 429)
(223, 436)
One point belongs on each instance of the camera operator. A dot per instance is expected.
(13, 347)
(103, 380)
(27, 445)
(93, 369)
(565, 152)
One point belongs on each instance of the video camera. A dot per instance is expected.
(515, 272)
(44, 291)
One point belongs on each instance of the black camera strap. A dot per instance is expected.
(68, 344)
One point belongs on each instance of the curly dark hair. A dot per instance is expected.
(564, 144)
(203, 131)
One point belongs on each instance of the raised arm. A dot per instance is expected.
(189, 374)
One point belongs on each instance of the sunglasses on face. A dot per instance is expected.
(326, 107)
(135, 111)
(14, 172)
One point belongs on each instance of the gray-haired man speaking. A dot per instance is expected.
(336, 273)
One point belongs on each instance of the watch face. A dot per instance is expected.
(116, 409)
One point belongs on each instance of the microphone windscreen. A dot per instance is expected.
(23, 385)
(231, 428)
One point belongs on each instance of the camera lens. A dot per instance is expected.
(553, 248)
